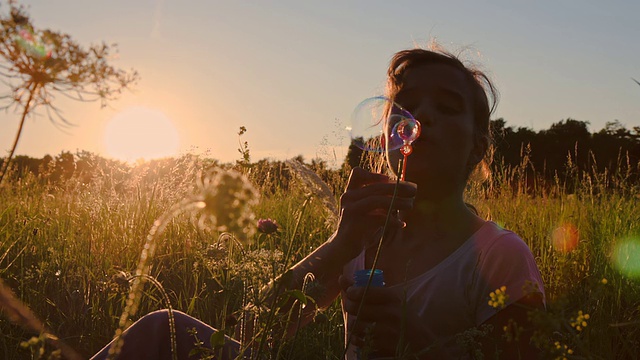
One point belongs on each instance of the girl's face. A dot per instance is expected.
(441, 98)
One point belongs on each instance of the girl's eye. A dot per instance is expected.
(410, 107)
(448, 109)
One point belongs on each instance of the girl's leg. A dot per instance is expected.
(149, 338)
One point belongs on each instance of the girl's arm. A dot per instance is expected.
(366, 194)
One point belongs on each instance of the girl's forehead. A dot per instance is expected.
(436, 75)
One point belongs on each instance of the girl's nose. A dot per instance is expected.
(424, 115)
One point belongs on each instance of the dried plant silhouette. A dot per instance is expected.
(36, 65)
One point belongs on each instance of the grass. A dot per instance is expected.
(67, 250)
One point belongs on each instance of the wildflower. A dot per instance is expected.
(530, 288)
(512, 331)
(216, 251)
(226, 199)
(604, 281)
(267, 226)
(580, 321)
(498, 298)
(563, 349)
(471, 340)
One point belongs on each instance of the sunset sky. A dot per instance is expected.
(292, 71)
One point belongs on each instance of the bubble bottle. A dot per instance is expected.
(361, 278)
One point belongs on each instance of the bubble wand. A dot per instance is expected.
(408, 130)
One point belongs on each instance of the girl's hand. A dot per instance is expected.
(381, 319)
(364, 206)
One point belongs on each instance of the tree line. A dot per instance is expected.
(552, 154)
(568, 145)
(558, 152)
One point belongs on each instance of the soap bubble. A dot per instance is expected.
(373, 116)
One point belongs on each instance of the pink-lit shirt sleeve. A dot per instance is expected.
(507, 262)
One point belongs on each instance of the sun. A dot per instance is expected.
(141, 133)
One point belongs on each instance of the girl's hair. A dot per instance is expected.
(485, 93)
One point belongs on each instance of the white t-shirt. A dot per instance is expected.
(453, 296)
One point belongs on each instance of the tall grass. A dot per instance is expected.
(69, 250)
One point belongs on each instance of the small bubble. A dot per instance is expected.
(626, 257)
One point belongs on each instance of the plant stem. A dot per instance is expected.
(279, 283)
(25, 112)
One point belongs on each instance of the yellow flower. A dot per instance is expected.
(563, 350)
(580, 321)
(604, 281)
(498, 298)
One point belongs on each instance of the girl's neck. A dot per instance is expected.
(441, 218)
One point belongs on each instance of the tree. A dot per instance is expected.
(616, 129)
(37, 65)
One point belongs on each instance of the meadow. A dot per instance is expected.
(69, 248)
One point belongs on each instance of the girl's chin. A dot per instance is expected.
(431, 178)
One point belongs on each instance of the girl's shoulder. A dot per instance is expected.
(491, 237)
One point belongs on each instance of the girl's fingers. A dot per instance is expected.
(344, 282)
(360, 177)
(405, 189)
(366, 205)
(378, 302)
(370, 311)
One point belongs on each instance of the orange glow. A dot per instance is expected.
(141, 133)
(565, 237)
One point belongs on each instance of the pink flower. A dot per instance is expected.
(267, 226)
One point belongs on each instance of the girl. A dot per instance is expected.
(441, 262)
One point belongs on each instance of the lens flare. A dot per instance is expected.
(565, 238)
(31, 43)
(378, 123)
(626, 257)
